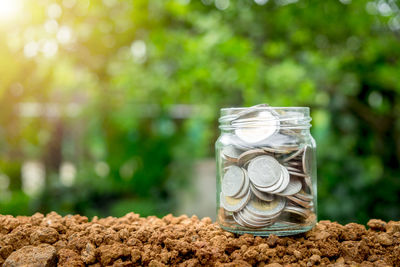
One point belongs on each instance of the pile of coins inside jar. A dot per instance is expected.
(266, 169)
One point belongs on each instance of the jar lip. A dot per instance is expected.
(285, 117)
(273, 108)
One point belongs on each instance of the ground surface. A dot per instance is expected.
(74, 241)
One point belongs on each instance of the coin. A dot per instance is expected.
(248, 155)
(249, 112)
(286, 180)
(264, 171)
(275, 150)
(290, 218)
(295, 154)
(239, 220)
(307, 159)
(257, 128)
(261, 195)
(264, 208)
(303, 195)
(253, 223)
(298, 174)
(234, 204)
(246, 187)
(230, 153)
(257, 218)
(247, 223)
(305, 204)
(308, 182)
(289, 168)
(233, 181)
(293, 188)
(272, 188)
(295, 163)
(297, 210)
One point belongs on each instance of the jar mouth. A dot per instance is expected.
(264, 116)
(238, 109)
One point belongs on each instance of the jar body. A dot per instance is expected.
(266, 171)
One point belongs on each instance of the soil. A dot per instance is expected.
(131, 240)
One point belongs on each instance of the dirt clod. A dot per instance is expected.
(43, 255)
(182, 241)
(377, 225)
(44, 235)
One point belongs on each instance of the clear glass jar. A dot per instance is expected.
(266, 171)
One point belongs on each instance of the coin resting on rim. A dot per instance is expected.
(252, 134)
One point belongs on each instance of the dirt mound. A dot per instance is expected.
(184, 241)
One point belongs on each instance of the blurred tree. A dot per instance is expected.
(129, 93)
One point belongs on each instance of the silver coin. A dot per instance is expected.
(295, 163)
(289, 168)
(233, 181)
(272, 188)
(261, 195)
(275, 150)
(239, 220)
(285, 183)
(264, 171)
(248, 155)
(257, 128)
(230, 153)
(293, 188)
(234, 204)
(295, 154)
(307, 159)
(297, 210)
(243, 222)
(256, 218)
(308, 183)
(246, 187)
(250, 111)
(304, 196)
(298, 174)
(302, 203)
(254, 224)
(264, 208)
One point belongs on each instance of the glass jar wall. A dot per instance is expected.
(266, 171)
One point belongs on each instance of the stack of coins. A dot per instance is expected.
(266, 170)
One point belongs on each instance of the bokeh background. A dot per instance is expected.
(111, 106)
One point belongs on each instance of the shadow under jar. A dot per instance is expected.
(266, 171)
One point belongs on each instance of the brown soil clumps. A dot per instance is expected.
(181, 241)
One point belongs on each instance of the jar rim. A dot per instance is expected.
(286, 117)
(269, 107)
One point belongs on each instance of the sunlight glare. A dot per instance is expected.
(9, 8)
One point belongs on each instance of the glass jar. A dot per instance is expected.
(266, 171)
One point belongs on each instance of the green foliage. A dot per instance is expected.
(108, 97)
